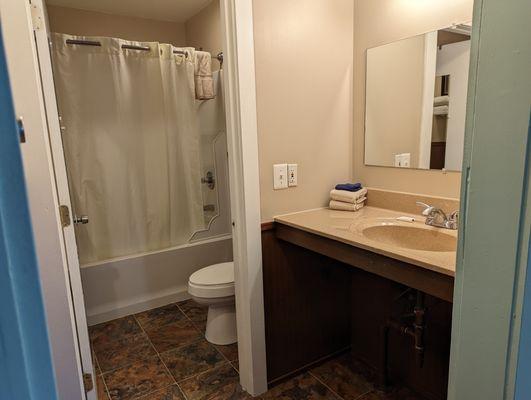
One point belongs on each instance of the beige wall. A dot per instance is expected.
(377, 22)
(90, 23)
(303, 52)
(395, 82)
(204, 30)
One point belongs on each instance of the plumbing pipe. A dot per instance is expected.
(416, 331)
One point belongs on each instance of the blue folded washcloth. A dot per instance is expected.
(351, 187)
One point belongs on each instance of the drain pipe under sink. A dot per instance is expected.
(414, 330)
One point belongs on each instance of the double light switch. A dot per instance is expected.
(284, 176)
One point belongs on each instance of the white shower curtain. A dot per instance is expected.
(131, 140)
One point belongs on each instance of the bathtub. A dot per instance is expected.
(121, 286)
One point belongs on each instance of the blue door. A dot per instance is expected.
(26, 371)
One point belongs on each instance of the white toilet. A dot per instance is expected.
(213, 286)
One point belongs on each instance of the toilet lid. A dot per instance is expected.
(217, 274)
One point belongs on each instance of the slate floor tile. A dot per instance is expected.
(121, 352)
(192, 359)
(221, 383)
(137, 379)
(302, 387)
(158, 317)
(341, 375)
(173, 335)
(113, 330)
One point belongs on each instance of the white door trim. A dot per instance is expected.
(242, 135)
(61, 185)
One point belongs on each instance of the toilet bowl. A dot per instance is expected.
(213, 286)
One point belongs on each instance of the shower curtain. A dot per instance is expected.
(131, 142)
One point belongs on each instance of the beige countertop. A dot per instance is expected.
(347, 227)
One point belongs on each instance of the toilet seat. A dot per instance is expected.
(214, 281)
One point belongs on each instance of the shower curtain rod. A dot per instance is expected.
(218, 57)
(124, 46)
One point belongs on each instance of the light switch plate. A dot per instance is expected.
(292, 175)
(403, 160)
(406, 160)
(280, 176)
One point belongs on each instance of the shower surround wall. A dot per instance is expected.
(213, 144)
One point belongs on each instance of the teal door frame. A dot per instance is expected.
(523, 372)
(26, 371)
(494, 228)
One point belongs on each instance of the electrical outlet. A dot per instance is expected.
(403, 160)
(280, 176)
(406, 160)
(292, 175)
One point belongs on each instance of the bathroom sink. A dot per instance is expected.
(411, 237)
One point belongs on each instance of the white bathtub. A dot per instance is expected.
(126, 285)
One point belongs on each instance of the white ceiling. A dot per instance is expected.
(163, 10)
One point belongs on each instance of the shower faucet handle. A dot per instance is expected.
(209, 180)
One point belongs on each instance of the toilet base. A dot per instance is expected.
(221, 320)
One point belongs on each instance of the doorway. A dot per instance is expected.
(211, 231)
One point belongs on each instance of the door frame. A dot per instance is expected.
(42, 40)
(244, 177)
(522, 343)
(494, 227)
(42, 177)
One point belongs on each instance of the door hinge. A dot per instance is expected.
(37, 17)
(21, 130)
(88, 382)
(64, 214)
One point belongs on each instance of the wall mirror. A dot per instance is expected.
(415, 104)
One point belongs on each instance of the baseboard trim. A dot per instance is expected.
(268, 226)
(134, 308)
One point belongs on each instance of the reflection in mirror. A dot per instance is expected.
(416, 100)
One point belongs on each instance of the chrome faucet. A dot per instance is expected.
(437, 217)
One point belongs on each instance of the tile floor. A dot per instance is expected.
(161, 354)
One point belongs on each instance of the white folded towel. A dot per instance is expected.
(441, 100)
(348, 197)
(342, 206)
(440, 110)
(204, 83)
